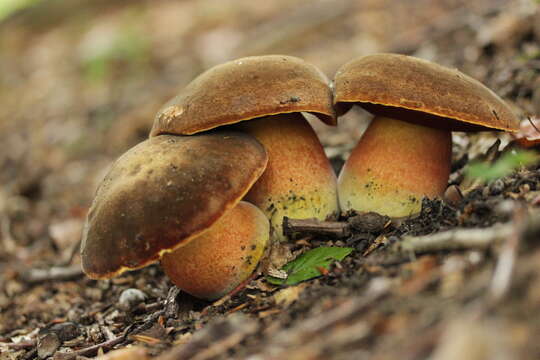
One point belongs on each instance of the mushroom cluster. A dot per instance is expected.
(264, 97)
(232, 155)
(171, 197)
(206, 193)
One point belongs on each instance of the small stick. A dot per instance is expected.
(21, 345)
(461, 239)
(171, 305)
(55, 273)
(315, 227)
(93, 350)
(72, 253)
(233, 292)
(502, 275)
(532, 124)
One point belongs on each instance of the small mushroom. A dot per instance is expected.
(269, 91)
(169, 192)
(405, 153)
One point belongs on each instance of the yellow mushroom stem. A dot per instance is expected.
(394, 165)
(299, 181)
(217, 261)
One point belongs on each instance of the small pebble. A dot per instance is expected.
(369, 221)
(497, 187)
(130, 298)
(65, 331)
(47, 345)
(505, 208)
(50, 338)
(453, 195)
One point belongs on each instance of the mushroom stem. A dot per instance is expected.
(216, 262)
(299, 181)
(394, 165)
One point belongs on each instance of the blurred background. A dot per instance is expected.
(81, 80)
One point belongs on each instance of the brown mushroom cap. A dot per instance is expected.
(244, 89)
(416, 90)
(164, 192)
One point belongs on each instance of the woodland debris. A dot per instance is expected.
(362, 222)
(468, 337)
(214, 339)
(460, 239)
(131, 298)
(171, 305)
(55, 273)
(491, 155)
(505, 265)
(315, 227)
(47, 345)
(340, 326)
(94, 349)
(453, 195)
(130, 353)
(288, 295)
(369, 222)
(473, 239)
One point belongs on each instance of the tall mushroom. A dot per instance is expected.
(405, 153)
(270, 91)
(178, 198)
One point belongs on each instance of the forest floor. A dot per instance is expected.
(80, 82)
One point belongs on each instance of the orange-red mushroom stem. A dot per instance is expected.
(216, 262)
(299, 181)
(394, 166)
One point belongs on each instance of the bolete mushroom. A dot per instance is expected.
(270, 91)
(174, 193)
(405, 153)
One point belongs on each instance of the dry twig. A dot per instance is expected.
(54, 273)
(460, 239)
(315, 227)
(505, 264)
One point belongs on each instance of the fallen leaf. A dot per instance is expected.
(267, 313)
(287, 296)
(307, 266)
(528, 134)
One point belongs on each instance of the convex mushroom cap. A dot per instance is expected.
(405, 153)
(269, 91)
(245, 89)
(422, 92)
(162, 194)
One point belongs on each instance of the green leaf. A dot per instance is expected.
(507, 164)
(307, 265)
